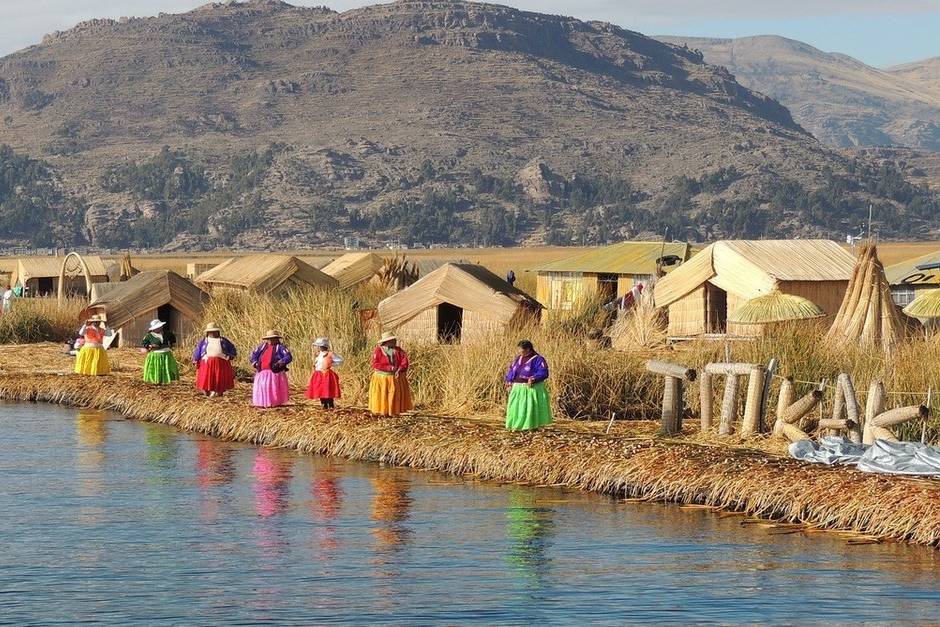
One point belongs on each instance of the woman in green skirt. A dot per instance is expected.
(529, 407)
(160, 366)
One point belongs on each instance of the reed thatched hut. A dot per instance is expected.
(355, 268)
(607, 272)
(40, 275)
(702, 292)
(132, 304)
(910, 278)
(265, 274)
(456, 303)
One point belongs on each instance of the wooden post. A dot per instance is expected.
(706, 401)
(729, 405)
(755, 391)
(772, 366)
(672, 407)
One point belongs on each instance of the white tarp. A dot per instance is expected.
(897, 458)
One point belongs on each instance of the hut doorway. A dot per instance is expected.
(449, 323)
(716, 310)
(173, 320)
(607, 287)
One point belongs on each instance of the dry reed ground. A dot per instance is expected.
(630, 461)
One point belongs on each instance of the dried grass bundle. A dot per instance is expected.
(776, 307)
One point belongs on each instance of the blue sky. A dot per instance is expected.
(879, 32)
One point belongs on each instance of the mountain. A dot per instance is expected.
(842, 101)
(260, 124)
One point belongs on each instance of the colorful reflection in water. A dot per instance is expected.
(120, 522)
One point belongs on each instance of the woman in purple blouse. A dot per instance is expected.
(529, 406)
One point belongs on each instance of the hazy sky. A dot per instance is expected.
(879, 32)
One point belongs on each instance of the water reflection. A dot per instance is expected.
(91, 427)
(326, 505)
(391, 506)
(272, 480)
(162, 452)
(529, 529)
(215, 464)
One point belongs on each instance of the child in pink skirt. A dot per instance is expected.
(270, 360)
(324, 382)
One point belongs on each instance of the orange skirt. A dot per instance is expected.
(389, 395)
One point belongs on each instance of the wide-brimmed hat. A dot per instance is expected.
(156, 324)
(271, 334)
(96, 317)
(322, 342)
(387, 337)
(213, 327)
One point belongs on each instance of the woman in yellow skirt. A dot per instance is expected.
(93, 358)
(389, 392)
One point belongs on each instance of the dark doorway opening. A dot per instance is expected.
(45, 286)
(171, 317)
(449, 323)
(716, 309)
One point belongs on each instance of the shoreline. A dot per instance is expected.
(630, 463)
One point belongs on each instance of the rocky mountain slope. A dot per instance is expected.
(258, 124)
(842, 101)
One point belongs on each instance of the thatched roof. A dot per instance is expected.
(144, 292)
(925, 306)
(868, 315)
(265, 274)
(354, 268)
(754, 268)
(624, 258)
(776, 307)
(467, 286)
(27, 268)
(908, 273)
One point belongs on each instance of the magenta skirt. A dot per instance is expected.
(270, 389)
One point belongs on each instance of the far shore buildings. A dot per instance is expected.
(700, 294)
(606, 272)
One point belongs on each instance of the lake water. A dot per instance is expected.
(116, 521)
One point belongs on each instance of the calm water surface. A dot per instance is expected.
(109, 520)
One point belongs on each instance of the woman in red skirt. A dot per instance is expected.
(324, 382)
(213, 360)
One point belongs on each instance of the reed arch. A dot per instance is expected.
(72, 265)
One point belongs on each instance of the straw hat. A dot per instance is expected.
(776, 307)
(387, 337)
(156, 324)
(322, 342)
(213, 327)
(926, 305)
(271, 335)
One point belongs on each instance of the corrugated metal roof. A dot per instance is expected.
(623, 258)
(468, 286)
(906, 272)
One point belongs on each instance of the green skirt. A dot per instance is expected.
(161, 368)
(528, 408)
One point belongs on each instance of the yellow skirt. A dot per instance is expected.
(389, 395)
(92, 361)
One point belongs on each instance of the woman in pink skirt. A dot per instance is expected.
(324, 382)
(270, 361)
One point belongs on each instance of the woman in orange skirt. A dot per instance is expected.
(389, 392)
(324, 382)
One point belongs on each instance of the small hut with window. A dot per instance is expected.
(265, 274)
(607, 272)
(456, 303)
(129, 306)
(720, 279)
(910, 278)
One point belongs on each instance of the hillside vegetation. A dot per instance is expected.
(259, 124)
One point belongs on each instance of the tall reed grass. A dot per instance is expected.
(40, 320)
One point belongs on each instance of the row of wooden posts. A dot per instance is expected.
(791, 412)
